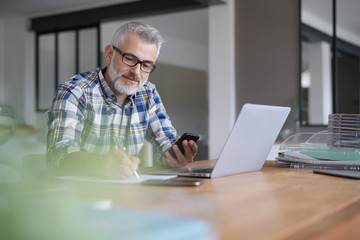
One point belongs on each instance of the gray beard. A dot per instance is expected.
(123, 88)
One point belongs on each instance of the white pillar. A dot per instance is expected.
(320, 91)
(30, 82)
(221, 75)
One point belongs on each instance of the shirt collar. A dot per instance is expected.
(106, 88)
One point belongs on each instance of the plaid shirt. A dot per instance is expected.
(86, 116)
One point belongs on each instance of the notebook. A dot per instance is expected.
(339, 173)
(248, 143)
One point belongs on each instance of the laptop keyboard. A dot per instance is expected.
(204, 170)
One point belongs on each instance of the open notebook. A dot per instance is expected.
(247, 146)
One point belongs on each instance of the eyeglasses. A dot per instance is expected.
(131, 61)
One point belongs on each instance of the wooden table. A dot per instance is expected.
(274, 203)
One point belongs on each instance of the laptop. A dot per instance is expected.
(248, 143)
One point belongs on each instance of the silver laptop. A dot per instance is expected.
(247, 146)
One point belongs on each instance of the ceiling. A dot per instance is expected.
(347, 15)
(35, 8)
(182, 27)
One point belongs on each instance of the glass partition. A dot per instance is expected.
(330, 50)
(67, 55)
(88, 53)
(60, 55)
(46, 70)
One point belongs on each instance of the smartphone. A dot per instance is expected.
(185, 136)
(172, 182)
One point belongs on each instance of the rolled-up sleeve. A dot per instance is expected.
(162, 132)
(65, 124)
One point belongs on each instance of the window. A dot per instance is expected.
(60, 55)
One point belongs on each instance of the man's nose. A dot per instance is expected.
(136, 69)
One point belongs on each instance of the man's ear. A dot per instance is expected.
(108, 53)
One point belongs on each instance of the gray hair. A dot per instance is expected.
(144, 31)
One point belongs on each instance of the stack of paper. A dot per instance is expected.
(344, 130)
(298, 160)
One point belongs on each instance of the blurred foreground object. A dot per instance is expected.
(7, 123)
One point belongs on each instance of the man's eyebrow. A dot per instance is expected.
(127, 53)
(148, 61)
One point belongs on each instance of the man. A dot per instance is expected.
(100, 119)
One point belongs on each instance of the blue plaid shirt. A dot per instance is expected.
(86, 116)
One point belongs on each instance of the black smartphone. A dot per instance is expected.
(185, 136)
(172, 182)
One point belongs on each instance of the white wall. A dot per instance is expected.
(318, 14)
(181, 39)
(14, 60)
(17, 70)
(221, 75)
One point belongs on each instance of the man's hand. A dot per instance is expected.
(181, 160)
(118, 165)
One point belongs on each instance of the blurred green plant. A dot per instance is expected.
(24, 215)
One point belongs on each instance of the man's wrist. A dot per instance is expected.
(164, 161)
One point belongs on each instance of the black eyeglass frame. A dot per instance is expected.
(137, 60)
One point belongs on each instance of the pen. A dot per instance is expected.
(136, 174)
(124, 149)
